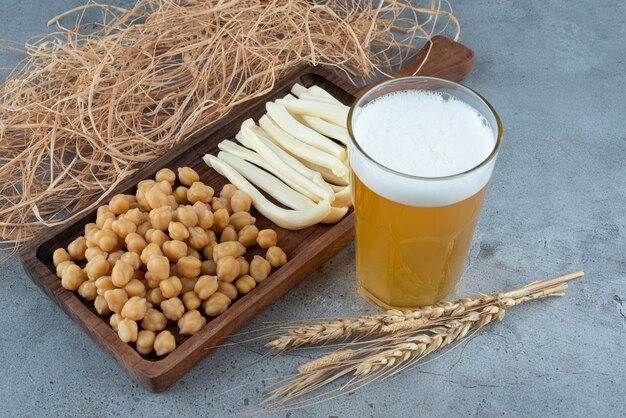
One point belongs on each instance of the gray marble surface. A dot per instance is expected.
(555, 73)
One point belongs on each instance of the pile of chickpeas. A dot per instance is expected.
(166, 253)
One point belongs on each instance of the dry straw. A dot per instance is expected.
(378, 346)
(86, 109)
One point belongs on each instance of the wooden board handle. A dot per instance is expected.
(447, 59)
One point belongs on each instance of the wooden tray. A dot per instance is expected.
(306, 249)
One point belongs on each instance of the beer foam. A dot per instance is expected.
(425, 134)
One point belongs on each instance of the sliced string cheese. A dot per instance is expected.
(285, 218)
(301, 150)
(320, 92)
(255, 158)
(332, 113)
(326, 128)
(281, 116)
(267, 182)
(335, 215)
(298, 89)
(343, 197)
(251, 140)
(327, 174)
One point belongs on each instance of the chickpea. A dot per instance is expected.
(192, 252)
(171, 202)
(205, 216)
(77, 248)
(244, 266)
(72, 277)
(240, 201)
(228, 289)
(106, 239)
(188, 284)
(145, 184)
(178, 231)
(59, 256)
(227, 269)
(122, 273)
(228, 190)
(119, 204)
(90, 253)
(149, 251)
(230, 248)
(114, 256)
(216, 304)
(101, 305)
(245, 283)
(108, 224)
(260, 268)
(171, 287)
(123, 227)
(135, 243)
(165, 187)
(187, 176)
(156, 236)
(116, 299)
(155, 197)
(208, 267)
(143, 228)
(218, 203)
(164, 343)
(198, 238)
(127, 330)
(174, 250)
(145, 342)
(135, 216)
(180, 194)
(165, 174)
(103, 284)
(161, 217)
(187, 215)
(142, 202)
(191, 322)
(241, 219)
(267, 238)
(97, 267)
(208, 250)
(103, 214)
(228, 234)
(62, 267)
(135, 288)
(135, 308)
(206, 286)
(220, 220)
(88, 290)
(188, 266)
(114, 321)
(276, 256)
(173, 308)
(154, 296)
(191, 300)
(132, 258)
(154, 320)
(90, 227)
(159, 267)
(199, 192)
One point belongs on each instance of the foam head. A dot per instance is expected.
(421, 147)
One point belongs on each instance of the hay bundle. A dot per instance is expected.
(86, 109)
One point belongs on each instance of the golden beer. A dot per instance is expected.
(413, 233)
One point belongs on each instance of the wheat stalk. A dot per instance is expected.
(397, 340)
(394, 320)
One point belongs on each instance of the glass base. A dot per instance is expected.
(382, 306)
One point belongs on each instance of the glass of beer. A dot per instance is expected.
(421, 153)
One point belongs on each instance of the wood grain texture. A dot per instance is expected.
(306, 249)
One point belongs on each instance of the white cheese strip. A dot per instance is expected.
(285, 218)
(332, 113)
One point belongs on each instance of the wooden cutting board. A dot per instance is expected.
(306, 249)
